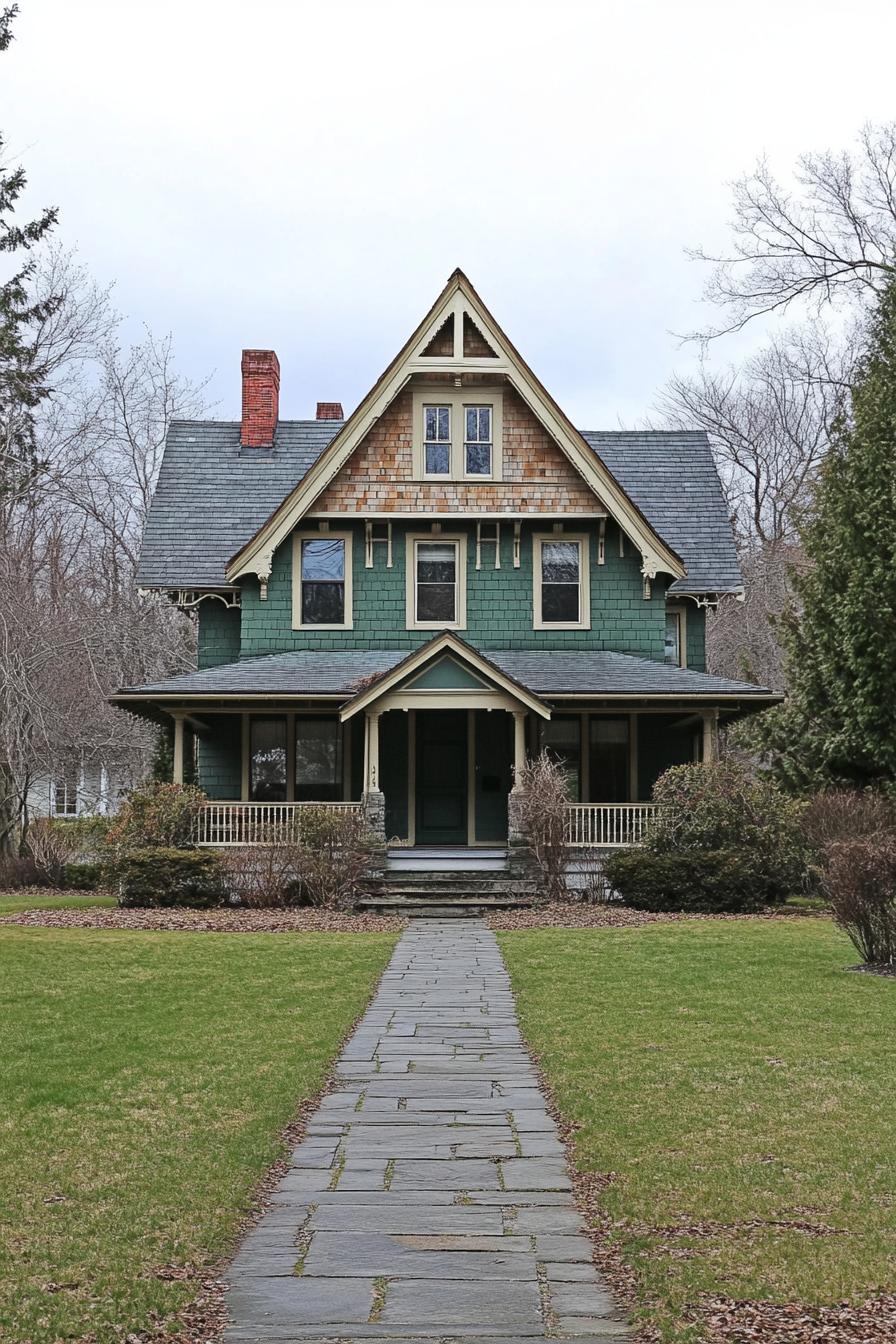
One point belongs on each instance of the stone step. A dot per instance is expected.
(463, 884)
(451, 907)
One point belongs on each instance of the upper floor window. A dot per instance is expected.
(322, 582)
(458, 434)
(436, 582)
(478, 441)
(437, 441)
(674, 651)
(561, 587)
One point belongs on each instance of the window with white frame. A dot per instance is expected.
(457, 434)
(437, 440)
(322, 580)
(561, 584)
(436, 594)
(478, 441)
(65, 795)
(675, 652)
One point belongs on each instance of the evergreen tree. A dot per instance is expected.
(22, 381)
(840, 722)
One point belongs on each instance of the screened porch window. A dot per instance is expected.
(561, 738)
(318, 760)
(267, 760)
(608, 762)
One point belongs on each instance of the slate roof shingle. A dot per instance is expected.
(545, 674)
(211, 497)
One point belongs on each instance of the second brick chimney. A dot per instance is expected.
(329, 410)
(261, 398)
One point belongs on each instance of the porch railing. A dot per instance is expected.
(607, 824)
(219, 824)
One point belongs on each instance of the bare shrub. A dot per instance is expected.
(860, 883)
(263, 876)
(17, 872)
(51, 849)
(334, 856)
(847, 814)
(541, 797)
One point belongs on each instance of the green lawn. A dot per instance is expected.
(144, 1079)
(12, 902)
(725, 1072)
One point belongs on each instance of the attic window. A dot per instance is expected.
(458, 434)
(437, 441)
(478, 441)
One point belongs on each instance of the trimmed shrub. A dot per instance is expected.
(161, 877)
(860, 883)
(709, 881)
(724, 806)
(84, 876)
(159, 814)
(87, 834)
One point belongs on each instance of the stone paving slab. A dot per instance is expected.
(430, 1199)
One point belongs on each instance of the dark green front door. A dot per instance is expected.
(441, 777)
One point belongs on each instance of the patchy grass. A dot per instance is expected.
(49, 898)
(145, 1079)
(735, 1078)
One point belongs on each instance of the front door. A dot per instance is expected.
(441, 777)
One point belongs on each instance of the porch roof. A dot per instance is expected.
(343, 674)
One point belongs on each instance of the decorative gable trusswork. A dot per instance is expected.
(459, 345)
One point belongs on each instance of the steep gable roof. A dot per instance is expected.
(211, 496)
(459, 301)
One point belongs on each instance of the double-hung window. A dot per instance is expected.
(478, 440)
(436, 582)
(561, 587)
(322, 586)
(674, 651)
(437, 440)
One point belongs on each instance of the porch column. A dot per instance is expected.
(710, 736)
(373, 753)
(178, 770)
(519, 743)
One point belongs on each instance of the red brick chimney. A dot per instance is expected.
(261, 398)
(329, 410)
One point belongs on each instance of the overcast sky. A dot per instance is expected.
(306, 176)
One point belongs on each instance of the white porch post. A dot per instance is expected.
(178, 771)
(519, 743)
(710, 736)
(373, 752)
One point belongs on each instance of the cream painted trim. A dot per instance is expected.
(348, 612)
(584, 621)
(423, 700)
(458, 296)
(457, 399)
(459, 541)
(680, 610)
(397, 675)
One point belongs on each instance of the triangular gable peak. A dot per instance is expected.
(446, 672)
(457, 339)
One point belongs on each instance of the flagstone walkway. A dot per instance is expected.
(430, 1199)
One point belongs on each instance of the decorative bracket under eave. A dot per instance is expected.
(263, 567)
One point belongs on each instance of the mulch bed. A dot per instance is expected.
(580, 915)
(177, 920)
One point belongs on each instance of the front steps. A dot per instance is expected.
(445, 883)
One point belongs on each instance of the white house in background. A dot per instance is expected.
(78, 791)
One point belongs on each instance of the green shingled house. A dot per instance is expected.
(395, 607)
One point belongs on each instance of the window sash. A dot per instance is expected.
(478, 443)
(434, 584)
(672, 648)
(436, 440)
(323, 595)
(555, 590)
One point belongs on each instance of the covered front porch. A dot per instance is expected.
(428, 744)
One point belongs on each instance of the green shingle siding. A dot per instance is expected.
(220, 752)
(219, 633)
(499, 601)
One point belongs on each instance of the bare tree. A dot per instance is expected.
(832, 238)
